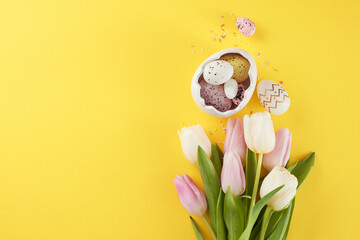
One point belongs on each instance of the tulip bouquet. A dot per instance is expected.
(238, 208)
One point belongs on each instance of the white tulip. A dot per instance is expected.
(259, 132)
(277, 177)
(192, 137)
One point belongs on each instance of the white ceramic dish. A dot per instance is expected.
(195, 86)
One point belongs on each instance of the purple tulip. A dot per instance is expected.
(235, 140)
(279, 156)
(190, 196)
(232, 174)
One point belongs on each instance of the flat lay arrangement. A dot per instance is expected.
(241, 203)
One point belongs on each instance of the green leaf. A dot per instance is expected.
(216, 159)
(280, 229)
(198, 234)
(232, 214)
(288, 226)
(293, 166)
(250, 171)
(220, 225)
(255, 232)
(245, 196)
(256, 211)
(211, 183)
(303, 168)
(274, 220)
(221, 155)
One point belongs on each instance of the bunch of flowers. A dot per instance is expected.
(238, 208)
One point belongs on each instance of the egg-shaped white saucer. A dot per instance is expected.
(195, 86)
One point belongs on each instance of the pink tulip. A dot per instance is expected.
(279, 156)
(232, 174)
(190, 196)
(235, 140)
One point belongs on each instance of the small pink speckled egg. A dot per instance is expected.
(245, 26)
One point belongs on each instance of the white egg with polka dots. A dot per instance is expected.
(218, 72)
(273, 97)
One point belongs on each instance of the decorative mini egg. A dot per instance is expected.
(214, 95)
(231, 88)
(273, 97)
(218, 72)
(240, 94)
(245, 26)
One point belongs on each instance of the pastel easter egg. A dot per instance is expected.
(245, 26)
(240, 94)
(273, 97)
(231, 88)
(214, 95)
(218, 72)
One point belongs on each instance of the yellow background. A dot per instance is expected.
(93, 92)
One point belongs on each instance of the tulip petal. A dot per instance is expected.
(277, 177)
(247, 132)
(200, 196)
(288, 148)
(192, 137)
(187, 197)
(232, 174)
(281, 152)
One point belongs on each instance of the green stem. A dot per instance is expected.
(210, 227)
(256, 183)
(265, 222)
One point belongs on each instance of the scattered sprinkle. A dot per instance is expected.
(249, 45)
(261, 65)
(215, 130)
(222, 25)
(223, 30)
(222, 16)
(235, 45)
(219, 40)
(202, 49)
(267, 63)
(210, 132)
(251, 112)
(281, 82)
(275, 70)
(191, 45)
(193, 51)
(182, 122)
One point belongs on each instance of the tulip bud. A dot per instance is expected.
(190, 196)
(259, 132)
(235, 140)
(279, 156)
(232, 174)
(277, 177)
(192, 137)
